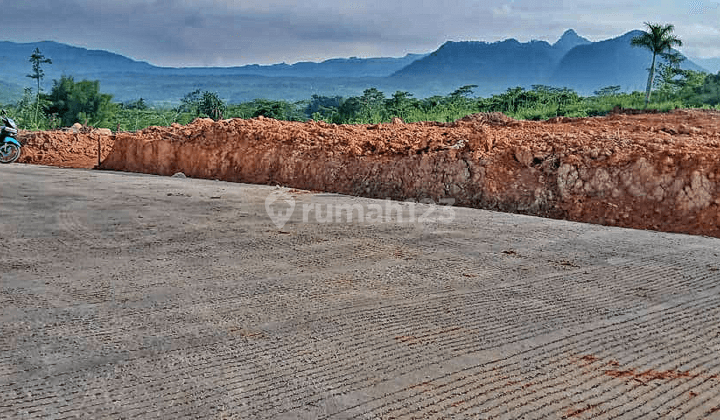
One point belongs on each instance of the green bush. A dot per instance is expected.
(71, 102)
(80, 102)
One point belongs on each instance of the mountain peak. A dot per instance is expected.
(571, 36)
(569, 40)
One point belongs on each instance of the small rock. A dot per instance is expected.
(524, 156)
(179, 175)
(459, 145)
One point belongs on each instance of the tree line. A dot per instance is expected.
(69, 101)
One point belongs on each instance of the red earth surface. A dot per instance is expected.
(656, 171)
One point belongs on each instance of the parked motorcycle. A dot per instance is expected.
(9, 146)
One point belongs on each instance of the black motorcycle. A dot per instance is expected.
(9, 146)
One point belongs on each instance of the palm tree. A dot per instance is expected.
(660, 40)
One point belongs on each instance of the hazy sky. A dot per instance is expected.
(233, 32)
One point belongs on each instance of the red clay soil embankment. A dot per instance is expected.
(647, 171)
(64, 149)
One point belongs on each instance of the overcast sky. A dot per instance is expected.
(233, 32)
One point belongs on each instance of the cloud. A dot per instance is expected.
(504, 10)
(700, 40)
(699, 7)
(230, 32)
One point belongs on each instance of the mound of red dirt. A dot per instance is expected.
(649, 171)
(64, 149)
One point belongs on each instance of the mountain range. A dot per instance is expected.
(501, 64)
(573, 61)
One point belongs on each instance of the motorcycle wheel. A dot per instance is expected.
(9, 152)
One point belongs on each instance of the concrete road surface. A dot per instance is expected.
(134, 296)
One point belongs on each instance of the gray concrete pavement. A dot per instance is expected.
(135, 296)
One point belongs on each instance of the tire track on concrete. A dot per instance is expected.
(610, 382)
(193, 345)
(560, 348)
(303, 344)
(505, 396)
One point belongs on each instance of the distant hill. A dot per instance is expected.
(489, 65)
(66, 59)
(710, 64)
(336, 67)
(9, 92)
(589, 67)
(129, 79)
(572, 61)
(80, 61)
(505, 63)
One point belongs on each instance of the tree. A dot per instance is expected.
(200, 103)
(211, 105)
(322, 107)
(372, 109)
(320, 103)
(463, 91)
(191, 102)
(608, 91)
(659, 39)
(38, 59)
(25, 108)
(510, 98)
(709, 92)
(278, 110)
(348, 111)
(400, 104)
(80, 102)
(138, 104)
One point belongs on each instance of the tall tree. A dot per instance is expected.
(212, 106)
(80, 102)
(38, 59)
(464, 91)
(659, 39)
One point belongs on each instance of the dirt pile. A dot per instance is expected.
(72, 149)
(648, 171)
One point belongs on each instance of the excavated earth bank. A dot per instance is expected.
(64, 149)
(648, 171)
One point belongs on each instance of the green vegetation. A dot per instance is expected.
(659, 39)
(70, 101)
(38, 59)
(203, 104)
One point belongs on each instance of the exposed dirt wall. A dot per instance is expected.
(648, 171)
(65, 149)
